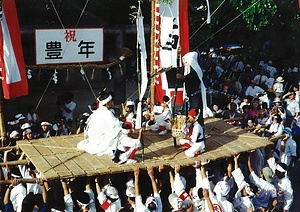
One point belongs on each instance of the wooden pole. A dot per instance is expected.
(14, 163)
(21, 180)
(152, 53)
(2, 129)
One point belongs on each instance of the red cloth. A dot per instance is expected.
(14, 81)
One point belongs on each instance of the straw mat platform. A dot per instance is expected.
(58, 157)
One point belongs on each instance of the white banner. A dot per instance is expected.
(68, 45)
(169, 34)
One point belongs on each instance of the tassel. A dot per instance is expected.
(68, 75)
(121, 70)
(82, 73)
(29, 74)
(55, 80)
(109, 73)
(93, 74)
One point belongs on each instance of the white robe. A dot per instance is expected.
(103, 131)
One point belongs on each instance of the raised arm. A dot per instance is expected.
(249, 164)
(136, 181)
(153, 181)
(44, 191)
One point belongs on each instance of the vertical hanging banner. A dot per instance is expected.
(13, 71)
(144, 78)
(68, 45)
(173, 28)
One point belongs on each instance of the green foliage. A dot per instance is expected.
(256, 13)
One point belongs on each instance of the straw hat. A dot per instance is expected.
(279, 79)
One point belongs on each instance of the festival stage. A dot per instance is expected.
(58, 157)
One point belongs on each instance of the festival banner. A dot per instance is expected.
(171, 32)
(13, 71)
(55, 46)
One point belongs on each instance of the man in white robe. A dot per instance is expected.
(103, 129)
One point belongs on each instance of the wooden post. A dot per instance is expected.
(152, 52)
(2, 129)
(14, 163)
(21, 180)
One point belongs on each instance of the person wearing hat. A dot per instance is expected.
(194, 138)
(286, 148)
(192, 77)
(103, 128)
(46, 129)
(176, 203)
(277, 109)
(266, 190)
(162, 117)
(130, 111)
(197, 193)
(108, 197)
(278, 87)
(243, 197)
(153, 203)
(13, 137)
(127, 145)
(178, 186)
(282, 184)
(27, 134)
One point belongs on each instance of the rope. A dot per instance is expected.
(57, 15)
(228, 24)
(206, 20)
(39, 102)
(81, 13)
(103, 66)
(87, 79)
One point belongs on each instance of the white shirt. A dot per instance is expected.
(283, 186)
(71, 106)
(278, 87)
(258, 79)
(267, 191)
(114, 206)
(252, 91)
(240, 203)
(290, 151)
(17, 194)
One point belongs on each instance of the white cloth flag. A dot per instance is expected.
(169, 34)
(144, 77)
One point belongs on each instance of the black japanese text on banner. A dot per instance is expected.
(68, 45)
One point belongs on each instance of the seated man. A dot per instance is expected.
(194, 139)
(103, 128)
(162, 116)
(127, 145)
